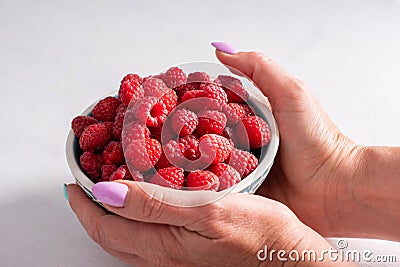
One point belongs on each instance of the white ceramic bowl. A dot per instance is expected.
(256, 100)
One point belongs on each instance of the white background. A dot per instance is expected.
(58, 57)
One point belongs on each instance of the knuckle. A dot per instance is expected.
(95, 232)
(152, 207)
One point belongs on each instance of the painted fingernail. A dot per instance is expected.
(65, 192)
(225, 47)
(110, 193)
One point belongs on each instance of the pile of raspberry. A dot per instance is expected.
(175, 130)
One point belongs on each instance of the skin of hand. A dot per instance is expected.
(228, 232)
(332, 184)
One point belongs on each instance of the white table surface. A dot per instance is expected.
(56, 58)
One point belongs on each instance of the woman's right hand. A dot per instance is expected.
(319, 172)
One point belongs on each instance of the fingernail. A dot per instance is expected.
(110, 193)
(225, 47)
(65, 192)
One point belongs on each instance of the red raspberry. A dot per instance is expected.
(80, 123)
(106, 171)
(213, 90)
(202, 180)
(233, 88)
(192, 94)
(162, 133)
(151, 111)
(169, 99)
(171, 177)
(113, 154)
(235, 112)
(257, 133)
(130, 90)
(163, 162)
(134, 131)
(228, 176)
(184, 122)
(244, 162)
(131, 76)
(154, 87)
(118, 122)
(190, 147)
(172, 155)
(123, 173)
(109, 125)
(91, 164)
(95, 136)
(198, 77)
(211, 122)
(182, 89)
(214, 148)
(230, 134)
(142, 155)
(106, 109)
(174, 77)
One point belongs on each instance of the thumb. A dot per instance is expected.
(281, 88)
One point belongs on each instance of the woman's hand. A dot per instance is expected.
(228, 232)
(333, 185)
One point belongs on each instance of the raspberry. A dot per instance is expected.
(214, 148)
(256, 133)
(190, 147)
(162, 133)
(235, 112)
(123, 173)
(213, 90)
(184, 122)
(244, 162)
(234, 89)
(182, 89)
(118, 122)
(174, 77)
(134, 131)
(202, 180)
(172, 155)
(80, 123)
(211, 122)
(95, 136)
(130, 90)
(228, 176)
(106, 109)
(198, 77)
(91, 164)
(151, 111)
(109, 125)
(142, 155)
(113, 154)
(169, 99)
(106, 171)
(171, 177)
(192, 94)
(154, 87)
(131, 76)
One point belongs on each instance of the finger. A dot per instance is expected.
(126, 257)
(272, 80)
(147, 202)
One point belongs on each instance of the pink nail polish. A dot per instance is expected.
(225, 47)
(110, 193)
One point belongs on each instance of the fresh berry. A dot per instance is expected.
(142, 155)
(228, 176)
(113, 154)
(190, 147)
(134, 131)
(119, 122)
(150, 111)
(213, 90)
(198, 77)
(91, 164)
(132, 77)
(109, 125)
(202, 180)
(233, 88)
(172, 155)
(174, 77)
(162, 133)
(214, 148)
(106, 171)
(183, 88)
(192, 94)
(130, 90)
(95, 136)
(244, 162)
(257, 133)
(172, 177)
(154, 87)
(106, 109)
(184, 122)
(235, 112)
(211, 122)
(80, 123)
(123, 173)
(169, 99)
